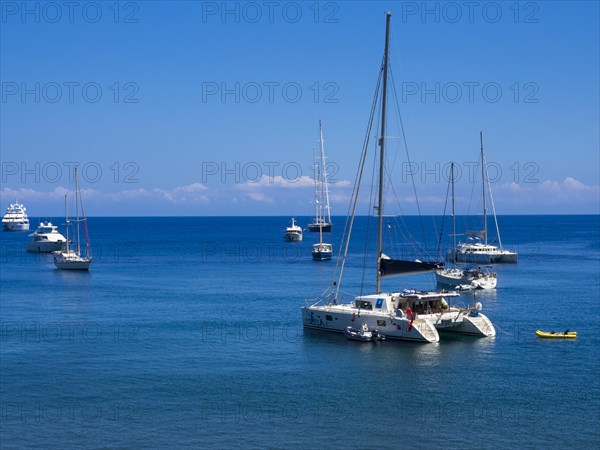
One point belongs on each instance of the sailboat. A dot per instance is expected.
(407, 315)
(322, 251)
(476, 251)
(70, 257)
(322, 221)
(463, 278)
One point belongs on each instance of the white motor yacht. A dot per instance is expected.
(46, 239)
(15, 218)
(293, 233)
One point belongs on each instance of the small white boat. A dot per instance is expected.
(71, 258)
(322, 251)
(15, 218)
(363, 334)
(46, 239)
(482, 253)
(474, 277)
(293, 233)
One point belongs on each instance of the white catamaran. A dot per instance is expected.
(70, 257)
(473, 277)
(407, 315)
(476, 251)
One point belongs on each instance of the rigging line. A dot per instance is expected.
(439, 247)
(408, 237)
(356, 189)
(492, 202)
(369, 221)
(472, 190)
(408, 157)
(370, 206)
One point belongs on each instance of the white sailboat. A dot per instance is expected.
(70, 257)
(293, 233)
(406, 315)
(463, 278)
(322, 220)
(322, 251)
(475, 251)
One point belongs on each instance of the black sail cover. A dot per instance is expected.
(395, 267)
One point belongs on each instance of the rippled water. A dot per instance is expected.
(187, 333)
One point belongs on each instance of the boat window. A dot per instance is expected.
(379, 303)
(328, 317)
(381, 323)
(364, 305)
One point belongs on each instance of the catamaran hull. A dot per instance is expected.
(484, 258)
(469, 325)
(392, 328)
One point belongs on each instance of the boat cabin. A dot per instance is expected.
(397, 303)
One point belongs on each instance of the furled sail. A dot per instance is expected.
(394, 267)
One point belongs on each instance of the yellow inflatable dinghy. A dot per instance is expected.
(556, 334)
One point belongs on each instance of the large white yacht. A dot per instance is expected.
(293, 233)
(46, 239)
(15, 218)
(408, 314)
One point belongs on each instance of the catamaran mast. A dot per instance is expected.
(483, 190)
(382, 153)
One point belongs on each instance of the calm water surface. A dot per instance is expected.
(187, 333)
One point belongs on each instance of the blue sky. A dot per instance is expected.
(212, 108)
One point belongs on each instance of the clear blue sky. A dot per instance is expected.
(179, 108)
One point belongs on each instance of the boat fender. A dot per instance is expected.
(353, 317)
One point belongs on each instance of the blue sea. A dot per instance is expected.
(186, 333)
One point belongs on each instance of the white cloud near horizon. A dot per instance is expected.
(281, 193)
(180, 194)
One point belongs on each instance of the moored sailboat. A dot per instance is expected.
(70, 258)
(477, 251)
(322, 221)
(322, 251)
(406, 315)
(464, 278)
